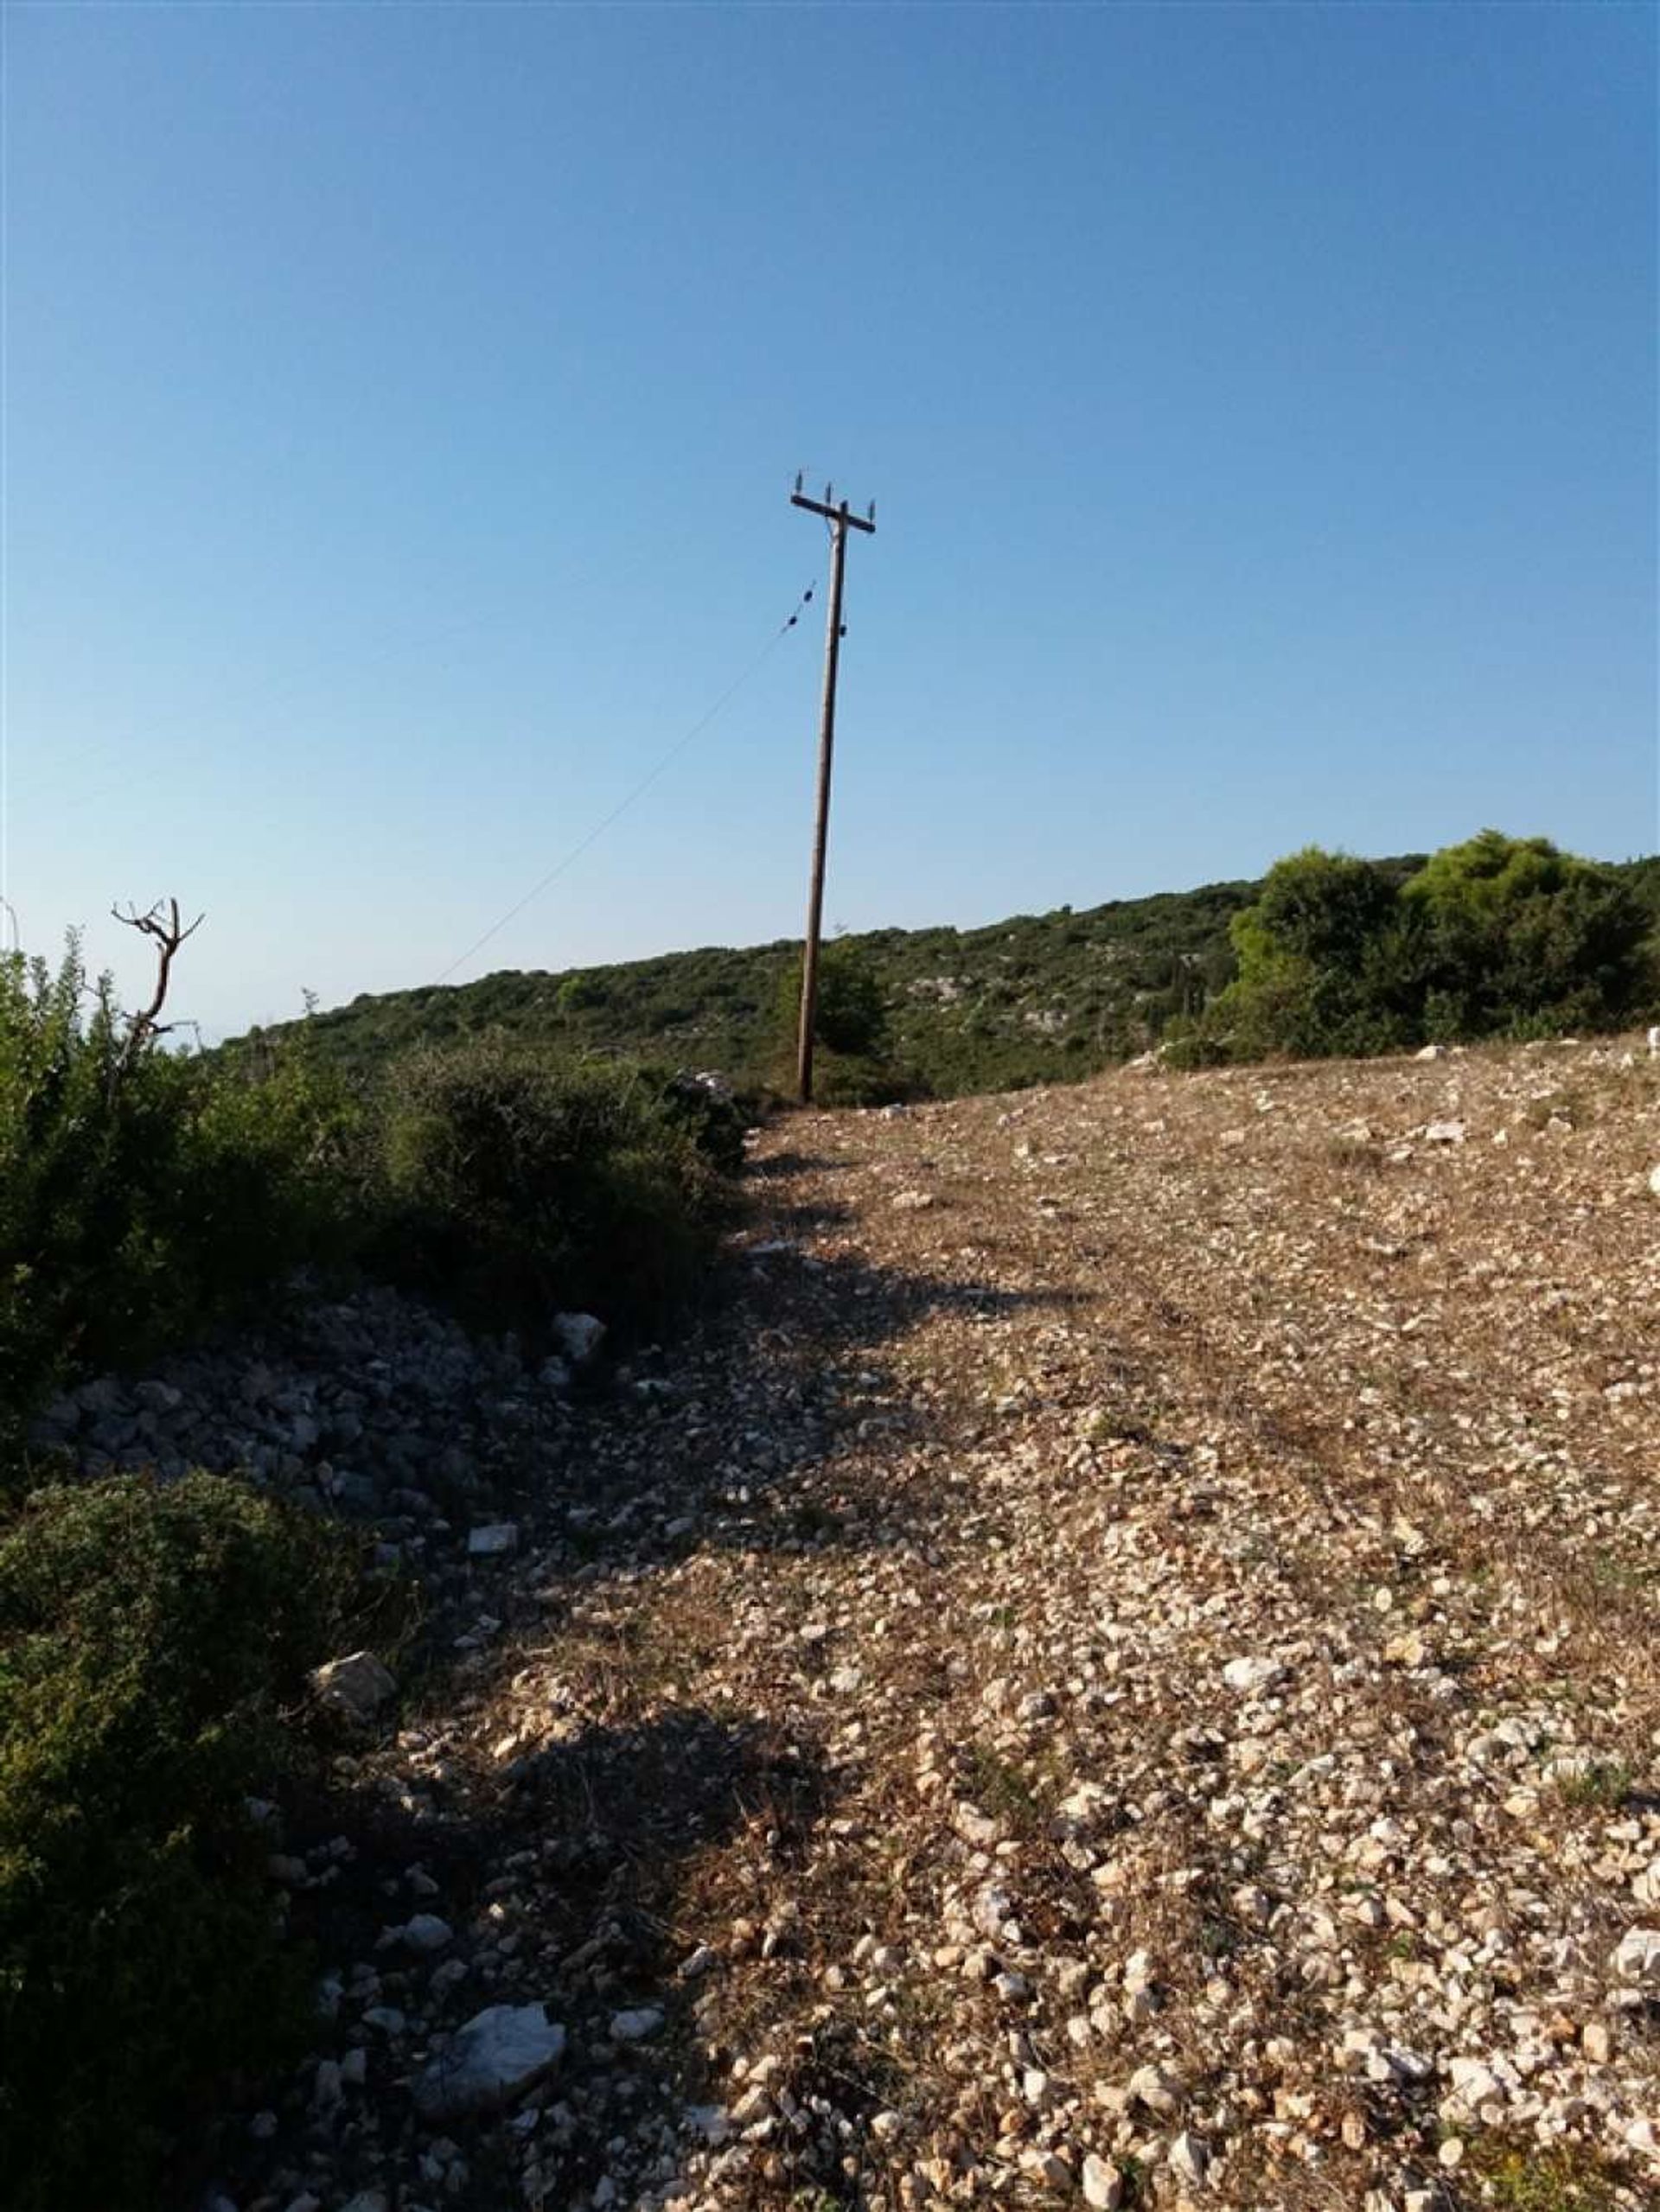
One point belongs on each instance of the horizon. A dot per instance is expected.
(401, 406)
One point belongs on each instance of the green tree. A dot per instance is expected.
(1522, 938)
(851, 1013)
(1325, 955)
(854, 1064)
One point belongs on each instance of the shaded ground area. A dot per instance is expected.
(1119, 1665)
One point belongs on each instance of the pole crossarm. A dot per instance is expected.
(841, 514)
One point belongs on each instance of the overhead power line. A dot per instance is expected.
(663, 764)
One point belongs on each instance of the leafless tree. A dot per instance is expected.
(162, 927)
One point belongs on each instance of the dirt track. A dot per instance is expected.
(1120, 1666)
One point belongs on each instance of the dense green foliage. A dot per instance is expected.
(854, 1062)
(514, 1180)
(1520, 938)
(1039, 999)
(1495, 937)
(144, 1196)
(152, 1639)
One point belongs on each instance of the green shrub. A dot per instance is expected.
(517, 1183)
(580, 994)
(850, 1007)
(1497, 937)
(715, 1120)
(81, 1263)
(850, 1079)
(854, 1060)
(1326, 963)
(152, 1639)
(144, 1195)
(1520, 938)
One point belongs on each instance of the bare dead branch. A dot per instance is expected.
(162, 927)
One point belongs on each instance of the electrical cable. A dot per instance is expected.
(663, 764)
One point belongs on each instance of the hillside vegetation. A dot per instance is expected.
(1034, 998)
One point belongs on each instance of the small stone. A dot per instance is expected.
(426, 1931)
(1189, 2159)
(356, 1685)
(1596, 2042)
(492, 1539)
(1445, 1132)
(1636, 1957)
(501, 2052)
(1103, 2185)
(1451, 2152)
(637, 2025)
(1159, 2091)
(1474, 2085)
(977, 1827)
(1248, 1676)
(580, 1334)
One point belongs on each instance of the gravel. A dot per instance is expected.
(1133, 1683)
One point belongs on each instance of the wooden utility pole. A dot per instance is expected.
(840, 520)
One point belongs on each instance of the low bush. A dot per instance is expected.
(711, 1116)
(144, 1194)
(516, 1182)
(851, 1078)
(154, 1640)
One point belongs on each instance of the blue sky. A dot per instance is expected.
(402, 402)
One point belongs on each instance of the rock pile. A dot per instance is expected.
(374, 1407)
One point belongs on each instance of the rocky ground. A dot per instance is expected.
(1118, 1666)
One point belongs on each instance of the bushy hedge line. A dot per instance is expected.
(1495, 937)
(154, 1643)
(144, 1196)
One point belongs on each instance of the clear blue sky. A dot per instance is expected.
(1259, 402)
